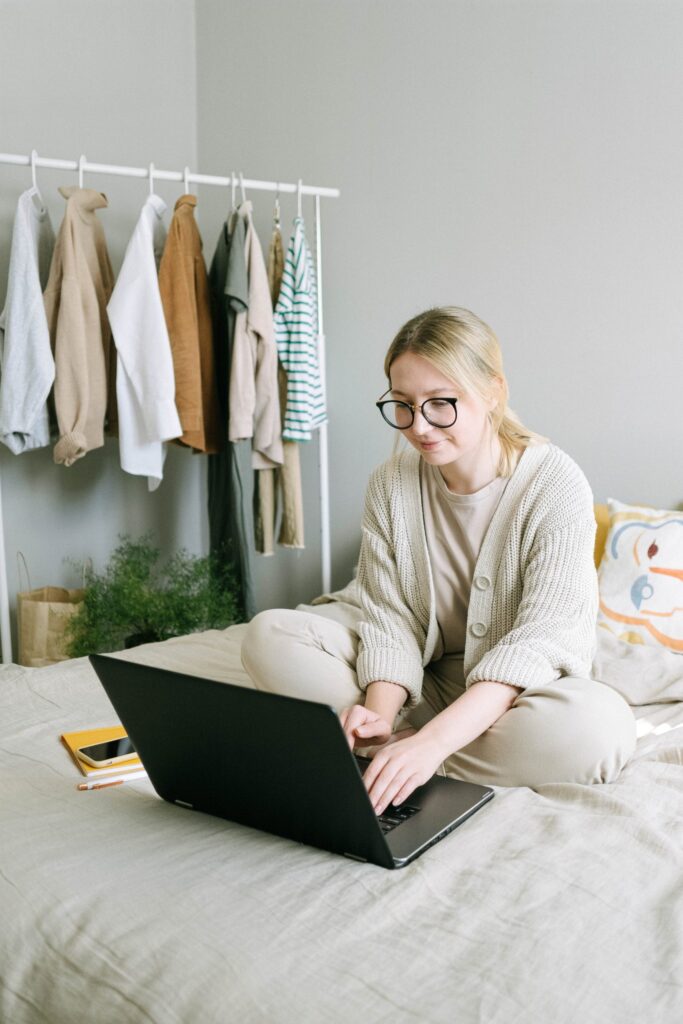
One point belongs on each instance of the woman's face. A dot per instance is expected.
(414, 379)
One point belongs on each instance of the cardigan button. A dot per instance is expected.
(482, 582)
(479, 629)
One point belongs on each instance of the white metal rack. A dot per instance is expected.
(83, 166)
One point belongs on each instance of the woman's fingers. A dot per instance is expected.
(379, 775)
(371, 728)
(354, 718)
(398, 769)
(358, 722)
(387, 790)
(405, 791)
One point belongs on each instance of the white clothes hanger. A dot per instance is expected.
(244, 194)
(81, 161)
(151, 179)
(233, 186)
(186, 180)
(34, 157)
(298, 197)
(276, 208)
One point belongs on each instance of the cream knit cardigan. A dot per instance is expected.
(534, 597)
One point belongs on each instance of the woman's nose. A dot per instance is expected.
(420, 424)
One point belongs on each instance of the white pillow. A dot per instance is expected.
(641, 576)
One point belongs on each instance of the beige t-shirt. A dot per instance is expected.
(455, 525)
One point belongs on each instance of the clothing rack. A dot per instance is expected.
(83, 166)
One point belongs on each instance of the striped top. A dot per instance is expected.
(296, 323)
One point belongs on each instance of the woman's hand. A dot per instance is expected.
(363, 727)
(399, 768)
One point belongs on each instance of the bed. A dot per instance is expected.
(562, 905)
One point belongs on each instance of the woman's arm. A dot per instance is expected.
(470, 715)
(400, 767)
(386, 699)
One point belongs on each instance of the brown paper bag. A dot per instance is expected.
(43, 615)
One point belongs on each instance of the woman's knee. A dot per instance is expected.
(616, 730)
(302, 655)
(575, 730)
(262, 645)
(588, 729)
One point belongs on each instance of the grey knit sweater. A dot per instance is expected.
(534, 598)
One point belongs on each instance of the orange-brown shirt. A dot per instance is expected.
(185, 297)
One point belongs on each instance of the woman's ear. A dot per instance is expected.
(495, 394)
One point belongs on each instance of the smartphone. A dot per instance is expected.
(99, 755)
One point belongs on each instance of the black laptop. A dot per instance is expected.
(274, 763)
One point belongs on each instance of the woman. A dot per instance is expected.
(464, 645)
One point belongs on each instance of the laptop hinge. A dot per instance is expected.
(352, 856)
(184, 803)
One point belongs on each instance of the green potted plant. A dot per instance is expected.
(137, 600)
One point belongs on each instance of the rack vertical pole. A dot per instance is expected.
(323, 457)
(5, 633)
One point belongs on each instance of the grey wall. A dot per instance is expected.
(523, 158)
(114, 79)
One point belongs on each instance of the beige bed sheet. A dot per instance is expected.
(557, 906)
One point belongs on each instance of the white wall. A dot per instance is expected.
(116, 80)
(523, 158)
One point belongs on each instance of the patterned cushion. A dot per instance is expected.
(602, 521)
(641, 576)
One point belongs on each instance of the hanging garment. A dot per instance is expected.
(78, 289)
(145, 384)
(284, 482)
(185, 298)
(275, 264)
(296, 326)
(28, 366)
(254, 398)
(231, 537)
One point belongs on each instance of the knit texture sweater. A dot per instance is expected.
(534, 598)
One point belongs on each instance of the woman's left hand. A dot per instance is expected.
(397, 769)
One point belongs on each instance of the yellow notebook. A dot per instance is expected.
(73, 741)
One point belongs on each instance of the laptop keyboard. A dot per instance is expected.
(394, 816)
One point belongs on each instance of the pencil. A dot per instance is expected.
(102, 784)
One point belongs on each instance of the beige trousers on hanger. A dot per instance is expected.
(573, 730)
(287, 479)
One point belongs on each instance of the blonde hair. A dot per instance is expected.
(467, 351)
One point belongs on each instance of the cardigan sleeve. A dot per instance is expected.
(392, 637)
(554, 629)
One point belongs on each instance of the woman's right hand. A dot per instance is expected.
(363, 727)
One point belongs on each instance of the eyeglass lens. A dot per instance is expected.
(435, 410)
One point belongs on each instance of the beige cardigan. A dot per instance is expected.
(533, 604)
(79, 286)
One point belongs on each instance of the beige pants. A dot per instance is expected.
(572, 730)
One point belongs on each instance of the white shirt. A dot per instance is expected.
(28, 366)
(145, 382)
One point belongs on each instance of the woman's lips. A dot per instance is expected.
(429, 446)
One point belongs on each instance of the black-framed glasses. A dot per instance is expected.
(439, 412)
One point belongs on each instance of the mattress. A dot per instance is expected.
(557, 905)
